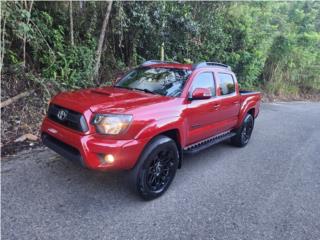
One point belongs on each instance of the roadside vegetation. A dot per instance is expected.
(47, 47)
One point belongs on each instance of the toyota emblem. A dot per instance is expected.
(62, 114)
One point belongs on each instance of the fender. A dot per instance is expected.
(163, 125)
(248, 104)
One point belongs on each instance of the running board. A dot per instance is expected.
(199, 146)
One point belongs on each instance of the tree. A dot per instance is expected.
(71, 23)
(100, 43)
(274, 44)
(2, 34)
(29, 8)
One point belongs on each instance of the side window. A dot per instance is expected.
(226, 83)
(204, 80)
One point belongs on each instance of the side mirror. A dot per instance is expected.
(114, 81)
(201, 93)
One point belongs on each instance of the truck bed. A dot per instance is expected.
(250, 96)
(245, 92)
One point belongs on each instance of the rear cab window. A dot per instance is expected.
(226, 84)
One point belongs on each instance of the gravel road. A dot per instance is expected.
(268, 190)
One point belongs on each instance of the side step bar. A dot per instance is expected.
(199, 146)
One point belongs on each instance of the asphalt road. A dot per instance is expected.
(268, 190)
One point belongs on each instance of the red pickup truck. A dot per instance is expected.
(149, 119)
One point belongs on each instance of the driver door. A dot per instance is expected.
(202, 114)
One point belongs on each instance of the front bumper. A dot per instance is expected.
(88, 150)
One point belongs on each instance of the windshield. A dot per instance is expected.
(163, 81)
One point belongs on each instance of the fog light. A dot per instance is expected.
(109, 158)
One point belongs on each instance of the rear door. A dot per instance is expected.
(230, 100)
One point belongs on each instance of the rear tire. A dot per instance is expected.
(243, 134)
(156, 168)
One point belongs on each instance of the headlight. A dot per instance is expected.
(111, 123)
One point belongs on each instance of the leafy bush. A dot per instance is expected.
(269, 45)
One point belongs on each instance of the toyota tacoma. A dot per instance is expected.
(149, 119)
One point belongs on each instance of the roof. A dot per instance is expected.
(172, 65)
(176, 65)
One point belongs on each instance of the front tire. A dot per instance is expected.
(243, 134)
(156, 168)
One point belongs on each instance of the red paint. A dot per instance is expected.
(193, 120)
(201, 93)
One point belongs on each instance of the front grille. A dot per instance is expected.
(71, 119)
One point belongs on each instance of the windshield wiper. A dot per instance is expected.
(138, 89)
(145, 90)
(121, 87)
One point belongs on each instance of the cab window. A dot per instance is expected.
(204, 80)
(226, 83)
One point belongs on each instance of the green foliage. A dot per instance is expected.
(50, 52)
(293, 61)
(270, 45)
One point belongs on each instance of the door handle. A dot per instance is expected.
(216, 106)
(235, 102)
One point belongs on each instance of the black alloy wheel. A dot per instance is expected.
(156, 168)
(247, 130)
(243, 134)
(160, 170)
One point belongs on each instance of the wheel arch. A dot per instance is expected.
(173, 128)
(174, 134)
(250, 109)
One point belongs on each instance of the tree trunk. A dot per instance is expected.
(2, 33)
(100, 43)
(163, 29)
(71, 24)
(162, 52)
(25, 34)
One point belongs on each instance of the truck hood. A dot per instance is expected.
(107, 100)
